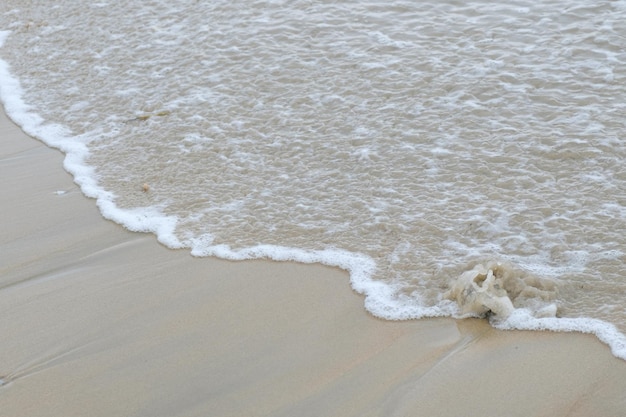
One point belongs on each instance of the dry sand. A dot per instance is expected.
(98, 321)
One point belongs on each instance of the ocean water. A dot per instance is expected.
(457, 158)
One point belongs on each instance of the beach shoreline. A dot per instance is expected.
(97, 320)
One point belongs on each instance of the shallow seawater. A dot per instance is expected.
(408, 142)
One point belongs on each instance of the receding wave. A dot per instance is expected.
(457, 160)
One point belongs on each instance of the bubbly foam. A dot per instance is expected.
(499, 289)
(455, 159)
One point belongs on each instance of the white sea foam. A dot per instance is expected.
(523, 319)
(145, 219)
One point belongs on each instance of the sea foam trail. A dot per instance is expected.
(145, 219)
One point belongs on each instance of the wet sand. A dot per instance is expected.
(99, 321)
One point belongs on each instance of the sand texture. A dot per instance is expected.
(99, 321)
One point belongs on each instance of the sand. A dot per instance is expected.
(99, 321)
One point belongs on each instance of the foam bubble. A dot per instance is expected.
(479, 292)
(497, 288)
(3, 36)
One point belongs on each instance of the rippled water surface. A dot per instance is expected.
(416, 138)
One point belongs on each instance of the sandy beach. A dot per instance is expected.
(99, 321)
